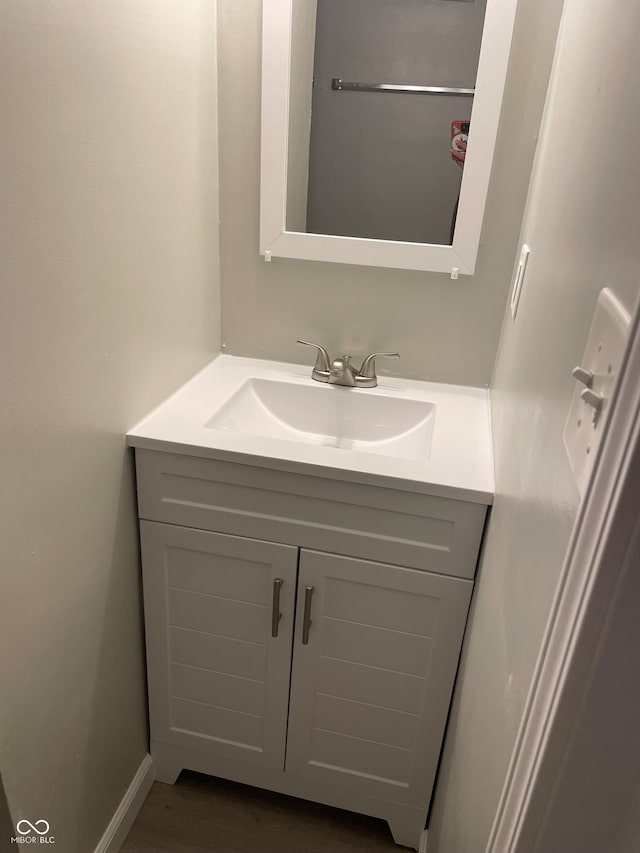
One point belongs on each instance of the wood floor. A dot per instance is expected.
(201, 814)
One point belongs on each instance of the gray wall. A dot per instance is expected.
(446, 331)
(109, 276)
(581, 225)
(380, 165)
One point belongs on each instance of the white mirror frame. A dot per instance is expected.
(458, 259)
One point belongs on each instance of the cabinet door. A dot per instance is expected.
(370, 691)
(218, 679)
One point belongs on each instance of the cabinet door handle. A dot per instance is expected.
(276, 616)
(306, 623)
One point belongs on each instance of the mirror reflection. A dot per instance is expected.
(380, 106)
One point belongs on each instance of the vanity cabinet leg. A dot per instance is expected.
(407, 828)
(167, 768)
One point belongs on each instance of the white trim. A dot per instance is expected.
(423, 842)
(127, 811)
(587, 585)
(274, 237)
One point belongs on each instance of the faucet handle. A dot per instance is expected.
(368, 369)
(322, 358)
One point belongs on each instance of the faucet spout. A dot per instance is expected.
(341, 372)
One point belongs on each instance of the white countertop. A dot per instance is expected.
(459, 464)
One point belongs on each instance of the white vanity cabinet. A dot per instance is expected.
(303, 633)
(218, 679)
(371, 688)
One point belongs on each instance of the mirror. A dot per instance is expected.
(379, 115)
(378, 128)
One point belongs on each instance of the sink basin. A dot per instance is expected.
(404, 434)
(330, 416)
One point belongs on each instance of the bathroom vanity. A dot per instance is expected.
(306, 592)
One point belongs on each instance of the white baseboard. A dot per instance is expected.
(127, 811)
(423, 842)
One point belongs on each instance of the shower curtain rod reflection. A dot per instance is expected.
(339, 85)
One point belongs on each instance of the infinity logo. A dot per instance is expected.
(32, 827)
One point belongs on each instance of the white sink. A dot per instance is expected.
(405, 433)
(330, 416)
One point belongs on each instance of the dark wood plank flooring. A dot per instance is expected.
(200, 814)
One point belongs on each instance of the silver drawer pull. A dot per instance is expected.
(306, 624)
(276, 616)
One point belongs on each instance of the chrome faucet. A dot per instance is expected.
(340, 371)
